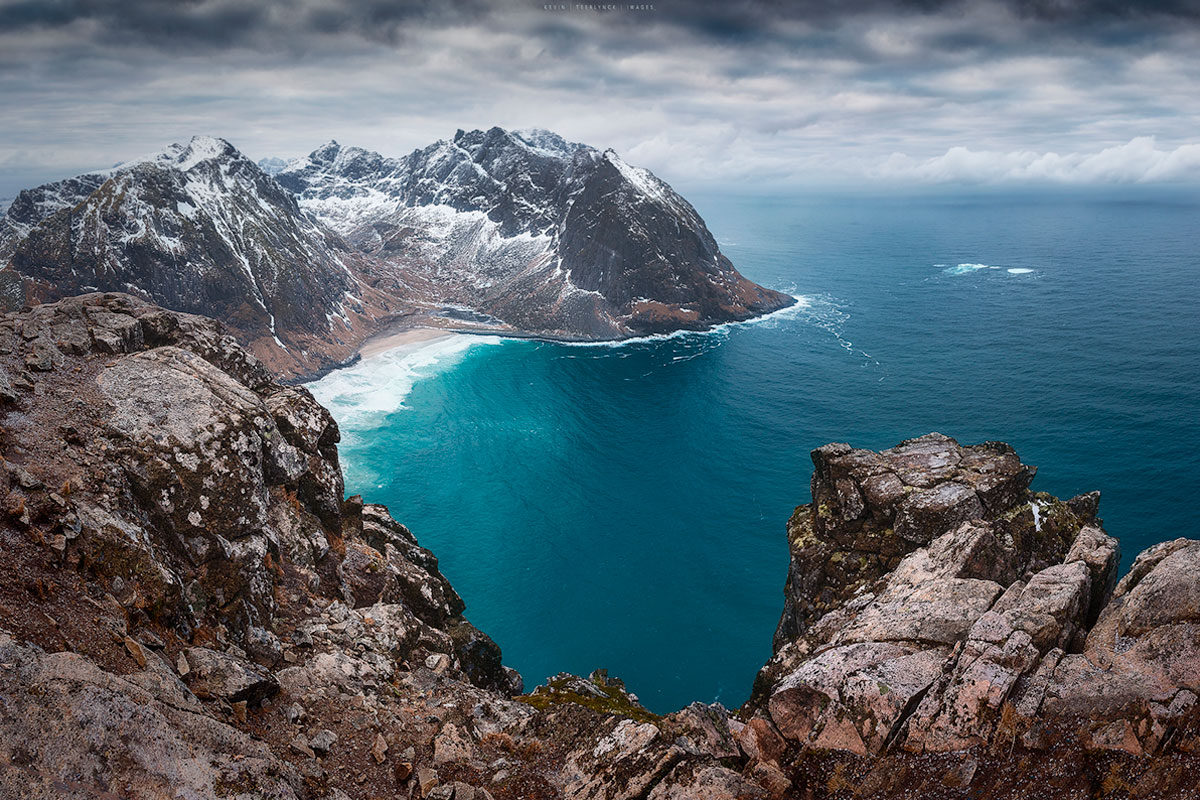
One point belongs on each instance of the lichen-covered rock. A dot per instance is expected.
(706, 728)
(923, 514)
(215, 675)
(870, 509)
(1138, 677)
(85, 729)
(188, 606)
(160, 487)
(936, 606)
(689, 781)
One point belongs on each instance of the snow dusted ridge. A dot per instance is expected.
(526, 231)
(553, 237)
(195, 227)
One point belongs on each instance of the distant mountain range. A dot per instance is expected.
(518, 232)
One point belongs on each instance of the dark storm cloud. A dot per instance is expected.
(716, 88)
(284, 23)
(138, 21)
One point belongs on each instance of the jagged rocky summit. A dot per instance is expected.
(189, 607)
(542, 234)
(517, 233)
(196, 228)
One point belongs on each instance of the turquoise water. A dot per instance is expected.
(624, 507)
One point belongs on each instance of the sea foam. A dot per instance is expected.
(802, 304)
(966, 269)
(377, 386)
(362, 394)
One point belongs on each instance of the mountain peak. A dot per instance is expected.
(272, 165)
(204, 148)
(546, 141)
(529, 231)
(181, 156)
(539, 141)
(325, 153)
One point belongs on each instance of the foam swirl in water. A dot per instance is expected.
(377, 386)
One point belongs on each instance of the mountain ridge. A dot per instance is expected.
(517, 232)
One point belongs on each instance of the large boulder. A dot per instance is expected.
(215, 675)
(1137, 680)
(869, 509)
(85, 732)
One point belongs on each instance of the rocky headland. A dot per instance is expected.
(191, 608)
(513, 232)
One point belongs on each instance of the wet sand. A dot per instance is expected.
(408, 338)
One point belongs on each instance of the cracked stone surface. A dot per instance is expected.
(191, 607)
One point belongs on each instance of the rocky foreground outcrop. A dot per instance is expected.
(947, 631)
(190, 608)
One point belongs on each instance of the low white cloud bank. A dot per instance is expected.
(1138, 161)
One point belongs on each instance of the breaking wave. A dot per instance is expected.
(377, 386)
(966, 269)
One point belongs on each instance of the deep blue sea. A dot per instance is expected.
(624, 506)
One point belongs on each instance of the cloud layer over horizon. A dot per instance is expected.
(1075, 92)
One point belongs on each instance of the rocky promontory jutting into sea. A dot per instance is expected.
(513, 232)
(191, 608)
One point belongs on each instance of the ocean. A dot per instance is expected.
(623, 506)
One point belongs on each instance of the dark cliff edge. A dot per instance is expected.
(190, 607)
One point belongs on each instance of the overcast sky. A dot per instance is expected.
(721, 92)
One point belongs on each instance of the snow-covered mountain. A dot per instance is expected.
(516, 232)
(196, 227)
(548, 236)
(272, 165)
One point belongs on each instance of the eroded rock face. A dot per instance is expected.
(189, 607)
(938, 613)
(870, 509)
(1136, 681)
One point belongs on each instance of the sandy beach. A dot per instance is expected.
(410, 337)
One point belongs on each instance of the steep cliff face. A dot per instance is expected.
(189, 607)
(947, 631)
(537, 233)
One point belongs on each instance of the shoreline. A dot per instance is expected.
(404, 339)
(409, 335)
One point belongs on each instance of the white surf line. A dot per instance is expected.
(378, 385)
(379, 382)
(803, 302)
